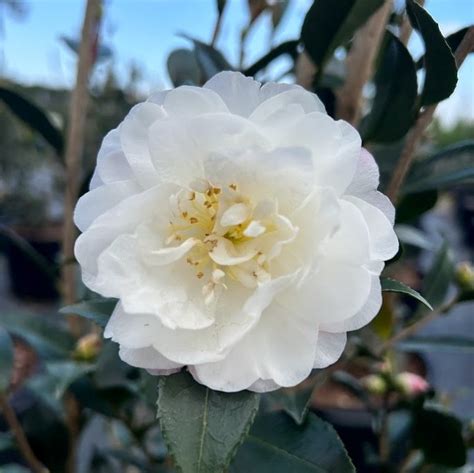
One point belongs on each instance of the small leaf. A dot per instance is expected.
(439, 343)
(34, 117)
(440, 66)
(296, 401)
(393, 108)
(6, 359)
(277, 445)
(391, 285)
(210, 60)
(97, 310)
(202, 427)
(326, 27)
(451, 167)
(183, 68)
(439, 435)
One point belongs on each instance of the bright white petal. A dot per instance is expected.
(134, 140)
(383, 240)
(99, 200)
(329, 348)
(364, 316)
(111, 162)
(240, 93)
(148, 358)
(186, 101)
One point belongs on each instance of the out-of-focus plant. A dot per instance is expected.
(82, 390)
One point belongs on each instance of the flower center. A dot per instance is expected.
(232, 238)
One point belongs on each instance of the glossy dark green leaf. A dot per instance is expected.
(97, 310)
(394, 107)
(296, 401)
(451, 167)
(439, 435)
(391, 285)
(439, 64)
(453, 40)
(210, 60)
(437, 280)
(44, 334)
(412, 206)
(466, 295)
(326, 27)
(34, 117)
(445, 343)
(6, 359)
(203, 428)
(277, 445)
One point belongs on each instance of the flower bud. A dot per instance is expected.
(88, 347)
(375, 384)
(464, 276)
(411, 384)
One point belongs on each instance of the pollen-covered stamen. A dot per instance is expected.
(236, 239)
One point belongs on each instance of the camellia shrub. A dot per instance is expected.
(243, 244)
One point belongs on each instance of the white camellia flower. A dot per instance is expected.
(240, 228)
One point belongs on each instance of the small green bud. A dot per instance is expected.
(88, 347)
(464, 276)
(375, 384)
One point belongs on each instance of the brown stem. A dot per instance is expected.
(16, 429)
(360, 64)
(74, 149)
(411, 329)
(416, 133)
(406, 28)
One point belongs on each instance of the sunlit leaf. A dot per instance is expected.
(97, 310)
(391, 285)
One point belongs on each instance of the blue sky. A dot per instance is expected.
(144, 32)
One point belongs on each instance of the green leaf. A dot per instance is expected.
(413, 205)
(453, 40)
(210, 60)
(183, 68)
(97, 310)
(439, 343)
(440, 66)
(437, 280)
(34, 117)
(326, 27)
(439, 435)
(277, 445)
(6, 359)
(203, 428)
(451, 167)
(296, 401)
(288, 47)
(391, 285)
(13, 468)
(41, 332)
(394, 106)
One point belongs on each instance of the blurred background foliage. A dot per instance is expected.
(390, 399)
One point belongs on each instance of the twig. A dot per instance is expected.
(406, 28)
(16, 429)
(416, 133)
(420, 323)
(217, 27)
(360, 64)
(74, 148)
